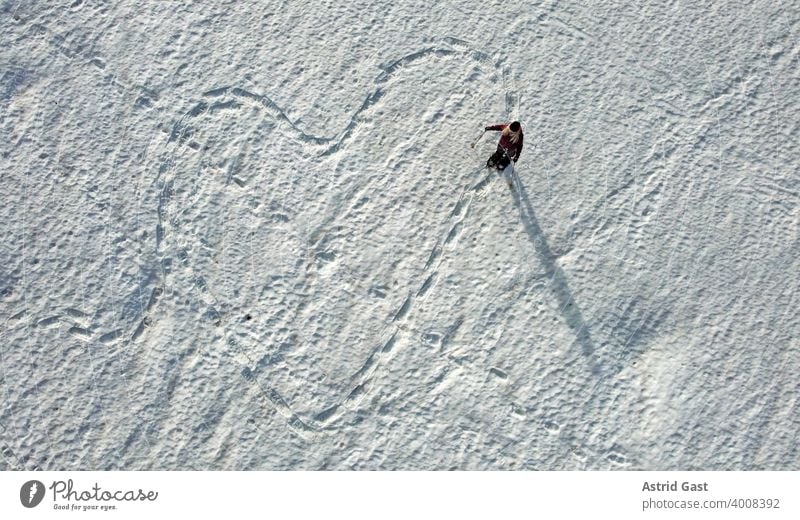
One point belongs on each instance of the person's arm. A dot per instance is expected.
(497, 128)
(513, 151)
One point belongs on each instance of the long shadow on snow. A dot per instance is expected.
(558, 281)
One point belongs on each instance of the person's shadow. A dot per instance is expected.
(557, 283)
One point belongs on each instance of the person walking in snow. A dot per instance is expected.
(509, 147)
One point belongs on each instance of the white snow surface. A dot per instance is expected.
(253, 235)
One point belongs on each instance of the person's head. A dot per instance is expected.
(515, 126)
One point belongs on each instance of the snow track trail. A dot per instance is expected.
(184, 138)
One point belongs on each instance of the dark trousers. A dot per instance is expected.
(499, 159)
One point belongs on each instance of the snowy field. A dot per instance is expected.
(253, 235)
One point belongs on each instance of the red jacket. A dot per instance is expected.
(511, 148)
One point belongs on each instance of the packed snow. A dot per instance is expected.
(253, 235)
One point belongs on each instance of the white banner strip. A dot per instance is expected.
(405, 495)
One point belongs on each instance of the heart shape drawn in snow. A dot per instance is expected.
(307, 254)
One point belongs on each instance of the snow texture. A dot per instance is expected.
(253, 235)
